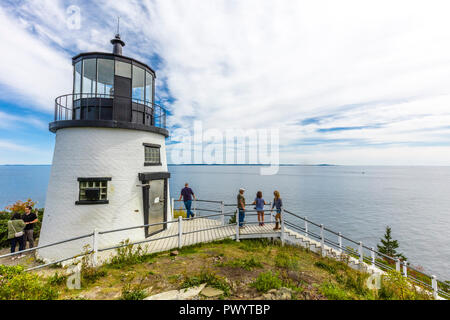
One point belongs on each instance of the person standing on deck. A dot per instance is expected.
(241, 207)
(278, 204)
(187, 194)
(30, 218)
(259, 202)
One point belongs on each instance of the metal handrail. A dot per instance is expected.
(64, 107)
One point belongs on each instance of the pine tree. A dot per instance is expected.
(388, 246)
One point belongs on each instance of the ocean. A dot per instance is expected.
(357, 201)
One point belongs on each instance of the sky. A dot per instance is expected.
(344, 82)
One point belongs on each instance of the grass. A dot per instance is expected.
(244, 263)
(243, 270)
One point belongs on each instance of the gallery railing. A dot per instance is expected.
(94, 106)
(321, 235)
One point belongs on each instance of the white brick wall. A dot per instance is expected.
(96, 152)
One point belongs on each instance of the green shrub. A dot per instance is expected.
(395, 287)
(133, 292)
(266, 281)
(333, 292)
(16, 284)
(210, 279)
(320, 264)
(128, 255)
(56, 279)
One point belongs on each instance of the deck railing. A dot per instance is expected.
(310, 229)
(95, 106)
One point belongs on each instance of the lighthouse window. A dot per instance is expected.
(152, 154)
(77, 80)
(93, 190)
(89, 77)
(105, 71)
(148, 88)
(138, 84)
(123, 69)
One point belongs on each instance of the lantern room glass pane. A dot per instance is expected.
(89, 77)
(123, 69)
(138, 84)
(148, 88)
(77, 80)
(105, 75)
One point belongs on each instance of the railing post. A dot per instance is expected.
(195, 207)
(340, 242)
(173, 206)
(372, 254)
(95, 248)
(222, 209)
(282, 227)
(361, 252)
(306, 226)
(322, 241)
(405, 269)
(180, 231)
(397, 265)
(434, 286)
(237, 225)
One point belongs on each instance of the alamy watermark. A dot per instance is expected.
(73, 21)
(227, 146)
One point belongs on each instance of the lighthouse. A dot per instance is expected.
(109, 168)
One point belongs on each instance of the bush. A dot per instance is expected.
(16, 284)
(395, 287)
(179, 213)
(133, 292)
(333, 292)
(266, 281)
(210, 279)
(56, 279)
(128, 255)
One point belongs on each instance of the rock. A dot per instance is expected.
(174, 253)
(211, 292)
(272, 291)
(183, 294)
(267, 296)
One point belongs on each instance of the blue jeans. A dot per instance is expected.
(241, 217)
(188, 204)
(14, 242)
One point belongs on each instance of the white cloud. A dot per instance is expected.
(254, 64)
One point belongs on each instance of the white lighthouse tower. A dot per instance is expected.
(109, 167)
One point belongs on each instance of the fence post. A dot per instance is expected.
(222, 209)
(180, 231)
(340, 242)
(237, 225)
(282, 227)
(306, 226)
(405, 270)
(95, 248)
(322, 241)
(397, 265)
(195, 207)
(173, 207)
(434, 286)
(372, 253)
(360, 252)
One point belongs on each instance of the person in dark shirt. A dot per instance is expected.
(30, 219)
(187, 194)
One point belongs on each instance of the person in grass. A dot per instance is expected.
(278, 204)
(15, 233)
(259, 202)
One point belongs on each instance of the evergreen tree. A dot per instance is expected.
(388, 246)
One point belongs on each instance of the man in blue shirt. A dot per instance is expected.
(187, 195)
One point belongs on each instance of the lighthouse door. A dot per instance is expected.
(156, 205)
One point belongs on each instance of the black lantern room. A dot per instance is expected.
(110, 90)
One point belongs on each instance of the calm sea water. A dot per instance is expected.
(357, 201)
